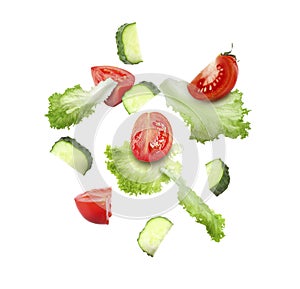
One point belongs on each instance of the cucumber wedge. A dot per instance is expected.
(138, 95)
(153, 234)
(73, 153)
(128, 44)
(218, 176)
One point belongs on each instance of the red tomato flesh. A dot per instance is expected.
(216, 80)
(151, 137)
(95, 205)
(124, 78)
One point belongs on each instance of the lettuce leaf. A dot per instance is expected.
(207, 120)
(196, 207)
(69, 108)
(136, 177)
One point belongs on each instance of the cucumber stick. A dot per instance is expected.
(153, 234)
(128, 44)
(73, 153)
(218, 176)
(138, 95)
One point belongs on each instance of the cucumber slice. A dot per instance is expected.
(73, 153)
(138, 95)
(153, 233)
(128, 44)
(218, 176)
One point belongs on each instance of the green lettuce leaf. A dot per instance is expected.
(196, 207)
(70, 107)
(207, 120)
(136, 177)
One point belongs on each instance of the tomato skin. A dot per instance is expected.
(151, 137)
(95, 205)
(124, 78)
(216, 80)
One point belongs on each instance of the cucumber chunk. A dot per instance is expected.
(128, 44)
(73, 153)
(218, 176)
(138, 95)
(153, 234)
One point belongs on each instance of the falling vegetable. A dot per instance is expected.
(69, 108)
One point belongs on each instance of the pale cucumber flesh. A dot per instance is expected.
(138, 96)
(153, 234)
(131, 44)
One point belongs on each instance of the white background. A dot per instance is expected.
(47, 46)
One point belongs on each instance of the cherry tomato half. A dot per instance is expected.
(124, 78)
(95, 205)
(216, 80)
(151, 137)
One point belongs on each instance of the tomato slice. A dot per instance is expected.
(151, 137)
(216, 80)
(124, 78)
(95, 205)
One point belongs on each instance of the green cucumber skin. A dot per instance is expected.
(224, 182)
(77, 145)
(145, 228)
(151, 86)
(120, 44)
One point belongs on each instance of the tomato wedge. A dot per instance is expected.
(216, 80)
(124, 78)
(95, 205)
(151, 137)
